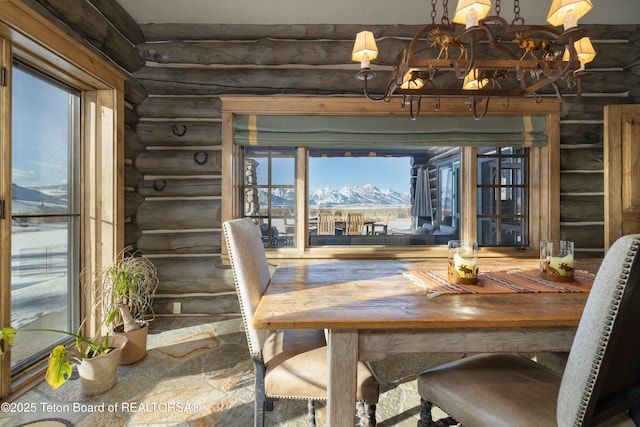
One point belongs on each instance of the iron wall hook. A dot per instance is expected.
(196, 158)
(176, 132)
(159, 185)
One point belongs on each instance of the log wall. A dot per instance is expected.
(173, 115)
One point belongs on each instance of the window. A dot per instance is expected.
(503, 197)
(448, 190)
(269, 193)
(467, 188)
(344, 184)
(45, 211)
(398, 192)
(61, 184)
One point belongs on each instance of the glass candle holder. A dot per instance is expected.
(556, 260)
(463, 262)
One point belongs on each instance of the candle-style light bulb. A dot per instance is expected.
(567, 12)
(470, 12)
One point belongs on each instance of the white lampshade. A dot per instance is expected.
(408, 83)
(567, 12)
(471, 81)
(584, 49)
(364, 49)
(469, 12)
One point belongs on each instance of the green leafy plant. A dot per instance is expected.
(126, 291)
(59, 367)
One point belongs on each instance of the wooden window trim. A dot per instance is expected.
(544, 172)
(26, 35)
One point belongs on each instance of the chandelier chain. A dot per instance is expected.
(498, 8)
(445, 12)
(433, 11)
(516, 12)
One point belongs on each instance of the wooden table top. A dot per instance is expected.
(374, 294)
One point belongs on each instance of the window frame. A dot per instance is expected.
(544, 170)
(28, 37)
(267, 212)
(497, 189)
(73, 214)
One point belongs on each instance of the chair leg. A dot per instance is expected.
(268, 404)
(426, 419)
(260, 400)
(311, 410)
(367, 417)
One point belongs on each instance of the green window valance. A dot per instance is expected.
(389, 131)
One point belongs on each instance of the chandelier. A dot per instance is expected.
(477, 57)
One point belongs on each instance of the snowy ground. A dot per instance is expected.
(39, 291)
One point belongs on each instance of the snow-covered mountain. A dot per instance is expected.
(55, 194)
(367, 195)
(41, 200)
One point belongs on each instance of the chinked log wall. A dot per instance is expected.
(173, 117)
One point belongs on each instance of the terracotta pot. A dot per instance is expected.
(99, 374)
(136, 347)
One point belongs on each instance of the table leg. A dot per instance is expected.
(342, 357)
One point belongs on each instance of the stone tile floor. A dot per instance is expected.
(197, 372)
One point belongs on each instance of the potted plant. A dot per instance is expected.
(96, 359)
(124, 293)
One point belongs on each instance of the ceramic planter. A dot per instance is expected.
(99, 374)
(136, 347)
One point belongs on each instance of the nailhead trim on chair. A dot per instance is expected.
(252, 351)
(367, 416)
(604, 339)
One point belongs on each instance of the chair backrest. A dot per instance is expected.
(355, 223)
(326, 224)
(289, 225)
(602, 375)
(250, 272)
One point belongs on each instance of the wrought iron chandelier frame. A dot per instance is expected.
(512, 68)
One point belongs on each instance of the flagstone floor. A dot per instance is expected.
(197, 372)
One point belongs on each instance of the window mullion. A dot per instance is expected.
(302, 191)
(469, 196)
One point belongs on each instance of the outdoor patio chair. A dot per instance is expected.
(355, 224)
(600, 382)
(385, 225)
(326, 224)
(289, 364)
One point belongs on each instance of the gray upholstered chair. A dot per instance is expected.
(290, 364)
(600, 382)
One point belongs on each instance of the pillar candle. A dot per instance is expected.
(469, 265)
(557, 262)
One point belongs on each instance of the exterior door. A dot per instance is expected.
(622, 171)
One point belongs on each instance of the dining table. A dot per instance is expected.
(373, 308)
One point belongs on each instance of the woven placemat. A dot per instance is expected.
(500, 282)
